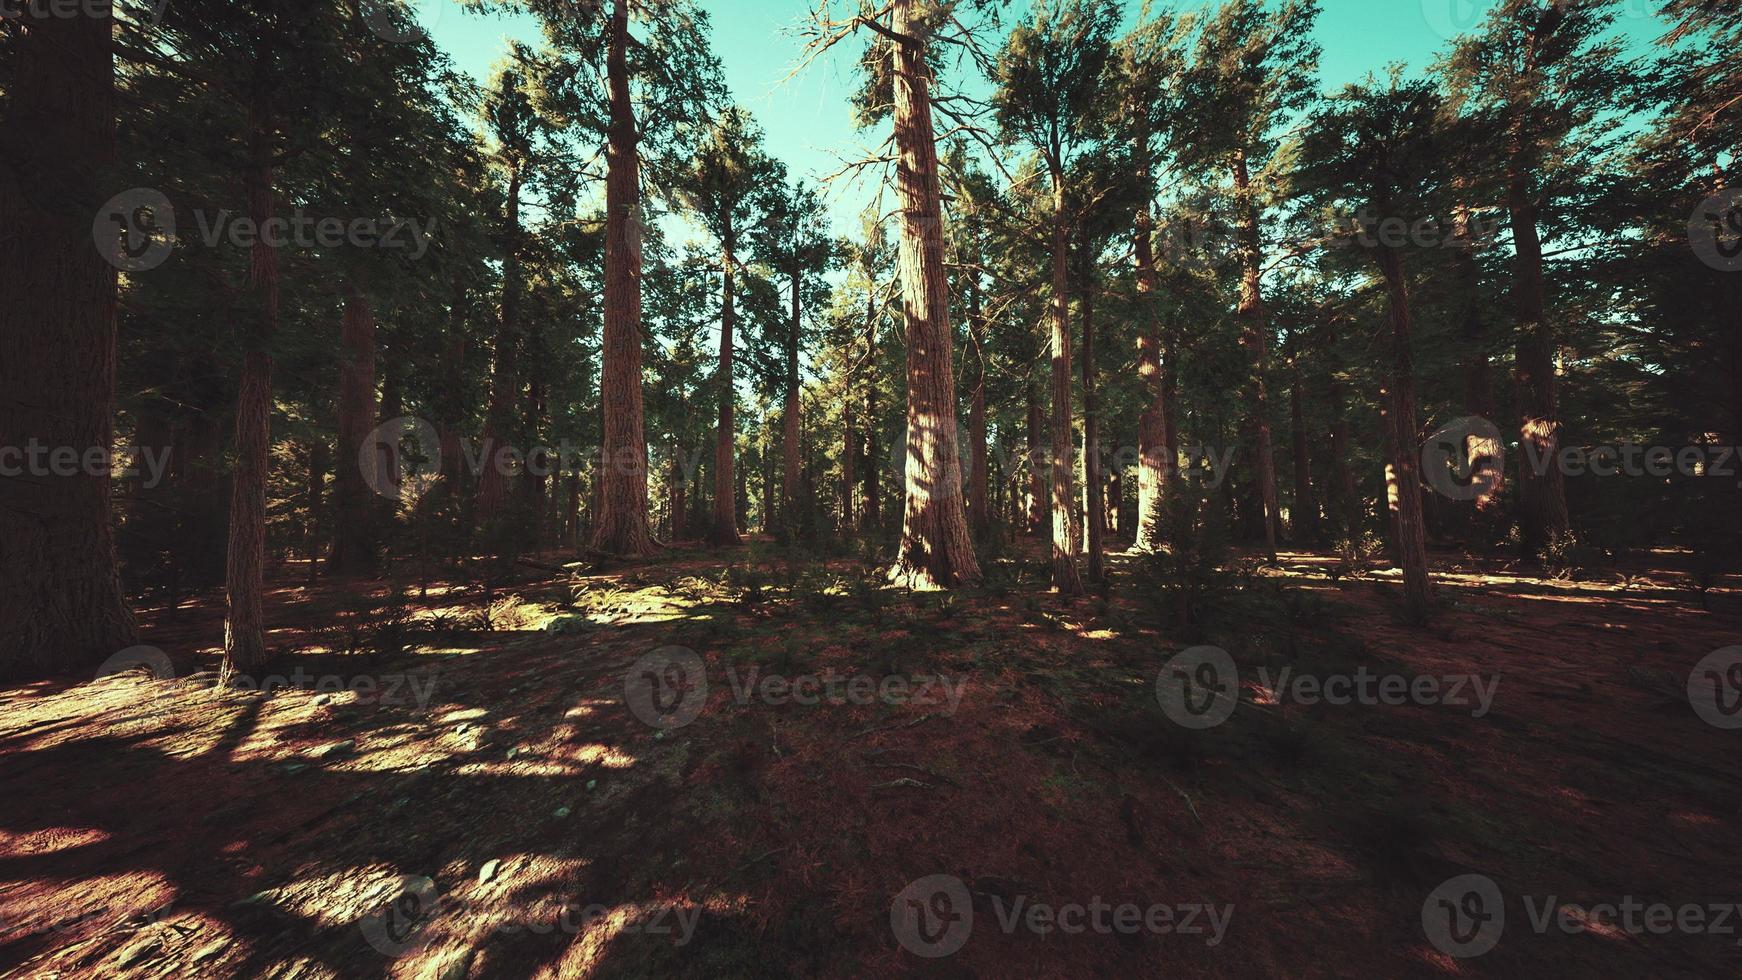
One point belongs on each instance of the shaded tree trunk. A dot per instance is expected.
(979, 517)
(1095, 506)
(354, 540)
(622, 526)
(936, 550)
(1542, 497)
(789, 448)
(505, 381)
(1306, 506)
(1253, 330)
(61, 606)
(1409, 531)
(725, 524)
(245, 625)
(1039, 476)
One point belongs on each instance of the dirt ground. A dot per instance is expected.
(478, 793)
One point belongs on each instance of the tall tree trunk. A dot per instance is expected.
(1095, 507)
(313, 492)
(725, 529)
(1154, 460)
(979, 517)
(245, 625)
(678, 490)
(354, 540)
(789, 450)
(622, 527)
(1542, 497)
(1253, 336)
(1477, 370)
(529, 525)
(1411, 537)
(936, 550)
(849, 459)
(1065, 579)
(61, 607)
(1039, 475)
(1345, 509)
(505, 381)
(1306, 506)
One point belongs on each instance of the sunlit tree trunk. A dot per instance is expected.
(935, 550)
(1039, 475)
(1065, 578)
(1306, 505)
(61, 607)
(622, 526)
(1153, 457)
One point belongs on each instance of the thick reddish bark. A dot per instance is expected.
(61, 607)
(1254, 337)
(725, 529)
(622, 526)
(935, 550)
(245, 625)
(354, 539)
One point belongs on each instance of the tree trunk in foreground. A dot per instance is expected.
(1410, 534)
(1095, 506)
(505, 379)
(1253, 337)
(245, 624)
(725, 529)
(935, 550)
(1153, 458)
(789, 444)
(61, 607)
(1542, 496)
(1039, 477)
(1065, 578)
(979, 517)
(622, 527)
(353, 539)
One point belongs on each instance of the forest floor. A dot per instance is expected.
(489, 803)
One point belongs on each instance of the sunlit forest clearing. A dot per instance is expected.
(870, 488)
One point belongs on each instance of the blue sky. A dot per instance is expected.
(807, 119)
